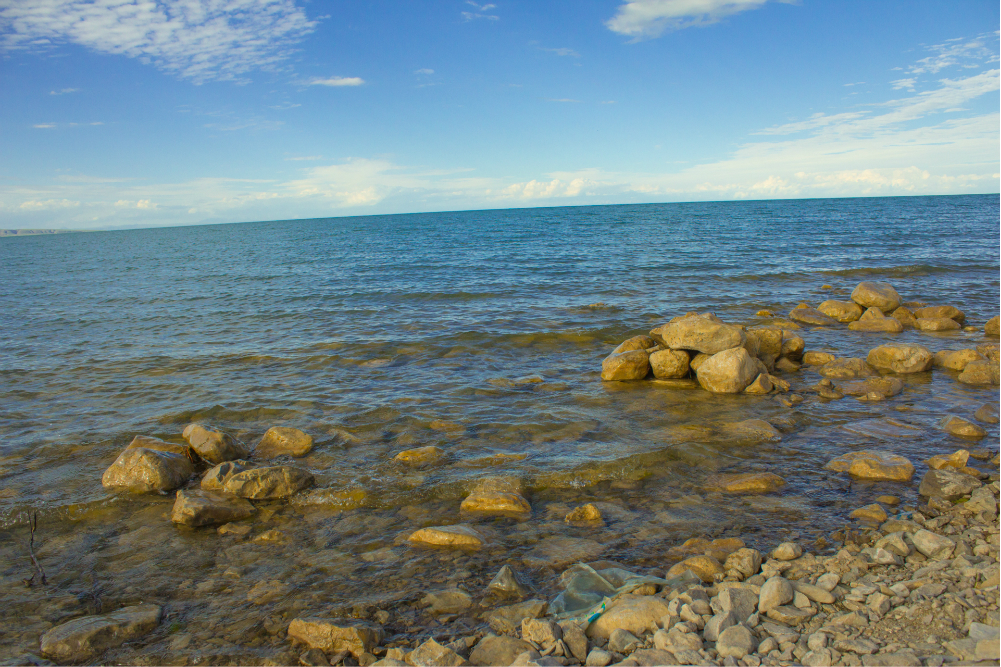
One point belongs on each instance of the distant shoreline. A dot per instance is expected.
(34, 232)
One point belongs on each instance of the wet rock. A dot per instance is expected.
(332, 635)
(881, 295)
(990, 350)
(85, 638)
(666, 364)
(993, 326)
(585, 515)
(961, 427)
(448, 601)
(703, 566)
(494, 650)
(932, 545)
(283, 441)
(775, 592)
(729, 372)
(433, 654)
(936, 324)
(215, 477)
(703, 333)
(761, 385)
(817, 358)
(268, 482)
(872, 513)
(873, 320)
(901, 358)
(496, 503)
(458, 536)
(749, 431)
(947, 484)
(633, 365)
(872, 389)
(805, 314)
(507, 583)
(873, 466)
(206, 508)
(786, 365)
(639, 614)
(842, 311)
(505, 620)
(149, 442)
(142, 470)
(213, 445)
(267, 591)
(938, 312)
(421, 456)
(905, 317)
(558, 551)
(956, 360)
(787, 551)
(980, 372)
(987, 413)
(747, 483)
(736, 641)
(635, 343)
(847, 368)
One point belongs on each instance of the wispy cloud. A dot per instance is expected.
(337, 81)
(47, 126)
(564, 52)
(967, 53)
(903, 84)
(64, 91)
(651, 18)
(44, 126)
(481, 12)
(425, 71)
(195, 39)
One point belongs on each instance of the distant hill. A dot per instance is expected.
(32, 232)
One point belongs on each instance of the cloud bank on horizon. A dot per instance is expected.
(270, 113)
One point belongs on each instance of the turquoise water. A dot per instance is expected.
(481, 332)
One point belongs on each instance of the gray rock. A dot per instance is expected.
(775, 592)
(933, 545)
(815, 593)
(269, 482)
(213, 445)
(505, 620)
(719, 623)
(206, 508)
(947, 484)
(900, 659)
(828, 581)
(736, 641)
(894, 543)
(85, 638)
(860, 646)
(575, 639)
(818, 658)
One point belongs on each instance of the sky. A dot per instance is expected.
(127, 113)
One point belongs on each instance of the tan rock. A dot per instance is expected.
(282, 441)
(433, 654)
(769, 340)
(206, 508)
(638, 614)
(729, 372)
(991, 351)
(332, 635)
(703, 333)
(269, 482)
(980, 372)
(873, 466)
(873, 320)
(633, 365)
(871, 513)
(85, 638)
(585, 515)
(934, 312)
(705, 568)
(905, 317)
(495, 650)
(778, 384)
(805, 314)
(267, 591)
(698, 360)
(747, 483)
(635, 343)
(987, 413)
(817, 358)
(156, 444)
(957, 460)
(901, 358)
(421, 456)
(213, 445)
(667, 364)
(956, 360)
(761, 385)
(937, 324)
(993, 326)
(846, 368)
(215, 477)
(458, 536)
(496, 503)
(961, 427)
(872, 389)
(141, 470)
(793, 346)
(876, 295)
(842, 311)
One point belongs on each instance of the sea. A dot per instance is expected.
(480, 332)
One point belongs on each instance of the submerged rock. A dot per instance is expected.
(957, 460)
(872, 389)
(421, 456)
(142, 470)
(806, 314)
(332, 635)
(268, 482)
(585, 515)
(747, 483)
(947, 484)
(729, 372)
(205, 508)
(496, 503)
(213, 445)
(846, 368)
(987, 413)
(507, 583)
(842, 311)
(633, 365)
(871, 294)
(873, 466)
(817, 358)
(635, 343)
(85, 638)
(283, 440)
(458, 536)
(980, 372)
(149, 442)
(964, 428)
(703, 333)
(901, 358)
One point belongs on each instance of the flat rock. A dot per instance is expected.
(558, 551)
(149, 442)
(633, 365)
(458, 536)
(956, 360)
(804, 314)
(505, 620)
(884, 429)
(980, 373)
(332, 635)
(212, 444)
(746, 483)
(947, 484)
(873, 294)
(448, 601)
(964, 428)
(873, 466)
(987, 413)
(950, 312)
(845, 368)
(702, 333)
(901, 358)
(814, 593)
(421, 456)
(142, 470)
(267, 591)
(269, 482)
(85, 638)
(872, 389)
(283, 441)
(206, 508)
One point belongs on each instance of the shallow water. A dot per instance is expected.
(480, 332)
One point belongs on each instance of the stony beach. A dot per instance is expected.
(910, 578)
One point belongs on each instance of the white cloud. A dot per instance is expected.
(47, 204)
(337, 81)
(64, 91)
(651, 18)
(903, 84)
(956, 52)
(44, 126)
(564, 52)
(196, 39)
(480, 12)
(424, 70)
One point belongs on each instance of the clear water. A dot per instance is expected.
(370, 332)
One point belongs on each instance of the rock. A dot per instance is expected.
(775, 592)
(982, 500)
(458, 536)
(506, 620)
(861, 646)
(633, 365)
(873, 466)
(900, 358)
(267, 591)
(747, 483)
(901, 659)
(205, 508)
(666, 364)
(507, 583)
(703, 566)
(820, 657)
(804, 314)
(635, 343)
(956, 360)
(656, 657)
(876, 295)
(283, 441)
(875, 321)
(702, 333)
(815, 593)
(718, 623)
(817, 358)
(847, 368)
(828, 581)
(787, 551)
(872, 389)
(448, 601)
(736, 641)
(947, 484)
(936, 324)
(149, 442)
(421, 456)
(990, 350)
(894, 543)
(905, 317)
(761, 385)
(980, 372)
(268, 482)
(729, 372)
(433, 654)
(600, 658)
(585, 515)
(742, 602)
(332, 635)
(215, 477)
(987, 413)
(142, 470)
(213, 445)
(698, 360)
(961, 427)
(932, 545)
(871, 513)
(786, 365)
(85, 638)
(842, 311)
(494, 650)
(791, 615)
(993, 326)
(639, 614)
(949, 312)
(674, 640)
(543, 632)
(558, 551)
(623, 641)
(498, 503)
(745, 561)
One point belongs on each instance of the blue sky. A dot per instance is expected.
(134, 113)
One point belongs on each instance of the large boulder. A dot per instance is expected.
(955, 360)
(142, 470)
(85, 638)
(947, 484)
(630, 365)
(937, 324)
(901, 358)
(873, 320)
(268, 482)
(806, 314)
(844, 368)
(668, 364)
(842, 311)
(950, 312)
(332, 635)
(729, 372)
(206, 508)
(212, 444)
(638, 614)
(873, 466)
(283, 440)
(635, 343)
(149, 442)
(993, 326)
(704, 333)
(876, 295)
(980, 372)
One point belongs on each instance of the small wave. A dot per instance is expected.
(907, 271)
